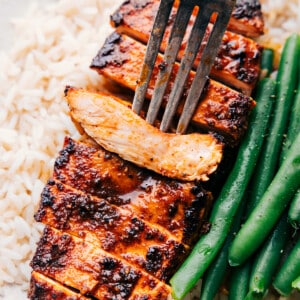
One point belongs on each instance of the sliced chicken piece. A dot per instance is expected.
(237, 63)
(44, 288)
(183, 206)
(118, 129)
(247, 18)
(93, 272)
(220, 109)
(115, 230)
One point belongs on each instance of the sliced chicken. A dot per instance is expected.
(183, 206)
(116, 230)
(247, 18)
(118, 129)
(237, 63)
(80, 265)
(45, 288)
(220, 109)
(124, 208)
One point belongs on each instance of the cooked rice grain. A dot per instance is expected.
(53, 48)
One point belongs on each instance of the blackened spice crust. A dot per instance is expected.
(139, 191)
(52, 252)
(110, 228)
(247, 9)
(109, 54)
(44, 288)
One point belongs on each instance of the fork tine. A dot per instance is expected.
(177, 34)
(193, 45)
(223, 8)
(155, 39)
(207, 59)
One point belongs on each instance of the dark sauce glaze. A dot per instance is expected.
(44, 288)
(113, 229)
(91, 271)
(168, 203)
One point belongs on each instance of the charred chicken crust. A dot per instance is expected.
(45, 288)
(94, 273)
(246, 18)
(183, 206)
(237, 63)
(220, 109)
(116, 230)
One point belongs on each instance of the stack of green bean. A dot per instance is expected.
(262, 193)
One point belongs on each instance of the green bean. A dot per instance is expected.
(266, 64)
(294, 125)
(288, 272)
(267, 260)
(285, 87)
(269, 209)
(296, 283)
(239, 281)
(268, 160)
(240, 276)
(294, 211)
(294, 128)
(229, 199)
(214, 275)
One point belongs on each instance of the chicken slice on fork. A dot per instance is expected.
(118, 129)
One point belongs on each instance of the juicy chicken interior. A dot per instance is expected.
(124, 207)
(118, 129)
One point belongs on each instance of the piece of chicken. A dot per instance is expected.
(116, 230)
(118, 129)
(247, 18)
(238, 60)
(45, 288)
(220, 109)
(183, 206)
(78, 264)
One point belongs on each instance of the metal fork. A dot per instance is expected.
(223, 9)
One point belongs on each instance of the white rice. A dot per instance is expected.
(54, 46)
